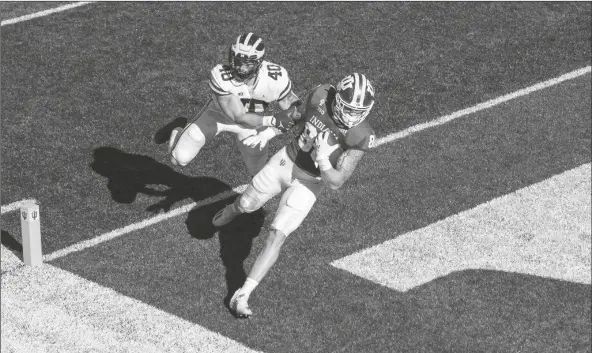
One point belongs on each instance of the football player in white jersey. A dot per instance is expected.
(241, 94)
(334, 135)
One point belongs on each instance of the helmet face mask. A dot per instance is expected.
(353, 100)
(246, 55)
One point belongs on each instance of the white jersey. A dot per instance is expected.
(272, 84)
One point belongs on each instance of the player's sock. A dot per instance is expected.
(249, 285)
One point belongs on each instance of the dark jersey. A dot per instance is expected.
(317, 118)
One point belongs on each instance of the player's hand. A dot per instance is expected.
(260, 139)
(282, 121)
(322, 147)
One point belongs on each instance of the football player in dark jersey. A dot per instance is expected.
(334, 136)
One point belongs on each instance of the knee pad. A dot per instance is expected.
(293, 210)
(188, 145)
(251, 200)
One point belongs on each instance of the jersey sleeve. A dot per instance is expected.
(361, 137)
(217, 82)
(278, 80)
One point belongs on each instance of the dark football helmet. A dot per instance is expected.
(246, 55)
(353, 100)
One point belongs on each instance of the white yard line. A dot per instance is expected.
(17, 205)
(386, 139)
(139, 225)
(485, 105)
(44, 13)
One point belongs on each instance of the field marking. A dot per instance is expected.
(541, 230)
(485, 105)
(44, 13)
(386, 139)
(16, 205)
(47, 309)
(139, 225)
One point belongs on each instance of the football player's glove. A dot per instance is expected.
(260, 139)
(353, 100)
(246, 55)
(282, 121)
(323, 150)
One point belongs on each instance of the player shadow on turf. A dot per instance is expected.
(131, 174)
(236, 239)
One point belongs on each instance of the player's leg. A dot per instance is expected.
(254, 157)
(185, 144)
(265, 185)
(295, 205)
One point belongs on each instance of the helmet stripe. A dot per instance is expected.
(362, 90)
(257, 43)
(246, 41)
(356, 90)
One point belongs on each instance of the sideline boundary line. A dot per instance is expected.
(44, 13)
(386, 139)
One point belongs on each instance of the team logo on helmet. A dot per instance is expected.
(246, 55)
(354, 99)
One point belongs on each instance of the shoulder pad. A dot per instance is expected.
(277, 78)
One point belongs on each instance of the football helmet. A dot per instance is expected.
(246, 55)
(353, 100)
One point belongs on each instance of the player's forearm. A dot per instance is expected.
(332, 178)
(249, 120)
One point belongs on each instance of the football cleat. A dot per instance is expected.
(162, 135)
(239, 306)
(246, 56)
(224, 216)
(353, 100)
(173, 139)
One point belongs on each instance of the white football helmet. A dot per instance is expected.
(246, 55)
(353, 100)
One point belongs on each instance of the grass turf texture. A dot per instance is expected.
(83, 92)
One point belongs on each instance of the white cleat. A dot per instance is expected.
(223, 217)
(173, 138)
(239, 306)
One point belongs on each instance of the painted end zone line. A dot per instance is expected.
(485, 105)
(43, 13)
(142, 224)
(389, 138)
(16, 205)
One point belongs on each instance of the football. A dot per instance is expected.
(332, 141)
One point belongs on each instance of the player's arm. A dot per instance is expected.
(234, 109)
(232, 106)
(291, 106)
(291, 111)
(346, 164)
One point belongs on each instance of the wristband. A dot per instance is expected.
(268, 120)
(268, 133)
(324, 164)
